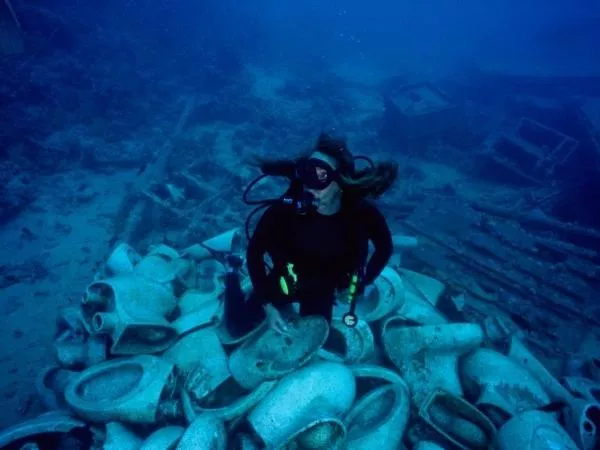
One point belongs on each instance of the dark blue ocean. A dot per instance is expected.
(128, 132)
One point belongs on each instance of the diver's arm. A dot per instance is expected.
(256, 251)
(380, 235)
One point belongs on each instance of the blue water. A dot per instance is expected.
(99, 93)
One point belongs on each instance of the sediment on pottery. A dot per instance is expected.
(270, 355)
(129, 295)
(533, 430)
(74, 346)
(119, 437)
(377, 417)
(206, 432)
(122, 259)
(228, 242)
(582, 422)
(132, 310)
(196, 320)
(369, 377)
(194, 300)
(417, 310)
(54, 422)
(51, 384)
(324, 432)
(324, 388)
(134, 337)
(499, 385)
(518, 352)
(163, 265)
(165, 438)
(582, 417)
(81, 352)
(460, 423)
(202, 352)
(581, 387)
(349, 345)
(210, 286)
(228, 401)
(427, 355)
(421, 287)
(229, 340)
(496, 331)
(427, 445)
(124, 389)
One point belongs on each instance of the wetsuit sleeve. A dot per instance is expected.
(257, 248)
(380, 235)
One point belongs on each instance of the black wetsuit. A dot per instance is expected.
(324, 250)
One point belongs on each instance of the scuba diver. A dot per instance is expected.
(317, 237)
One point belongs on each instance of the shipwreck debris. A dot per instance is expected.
(420, 110)
(530, 154)
(502, 265)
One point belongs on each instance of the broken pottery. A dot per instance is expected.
(79, 355)
(51, 384)
(518, 352)
(496, 331)
(377, 417)
(305, 402)
(230, 340)
(119, 437)
(205, 432)
(421, 295)
(200, 351)
(132, 309)
(582, 417)
(122, 259)
(271, 355)
(349, 345)
(427, 355)
(165, 438)
(324, 432)
(74, 347)
(228, 242)
(370, 376)
(163, 265)
(210, 287)
(54, 422)
(584, 388)
(459, 422)
(533, 430)
(582, 422)
(381, 299)
(499, 385)
(124, 389)
(227, 401)
(421, 286)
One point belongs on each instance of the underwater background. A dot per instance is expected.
(491, 109)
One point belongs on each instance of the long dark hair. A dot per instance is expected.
(370, 182)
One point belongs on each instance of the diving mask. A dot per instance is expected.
(315, 173)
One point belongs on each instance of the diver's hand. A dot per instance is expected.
(275, 321)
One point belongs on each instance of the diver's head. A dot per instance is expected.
(321, 172)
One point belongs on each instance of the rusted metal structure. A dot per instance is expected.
(531, 153)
